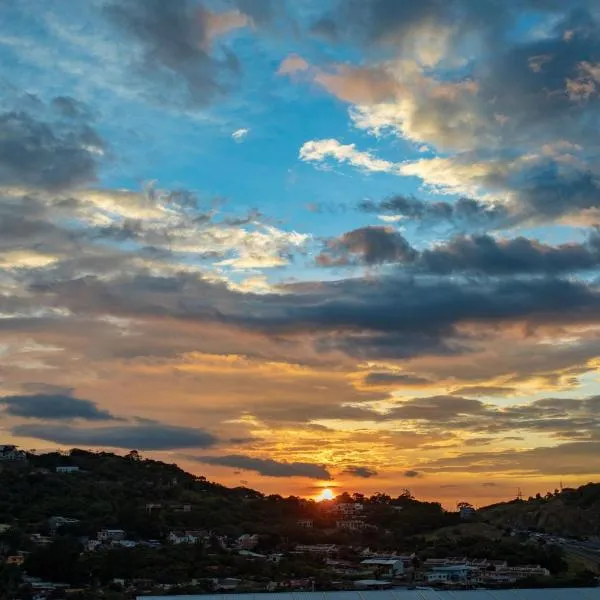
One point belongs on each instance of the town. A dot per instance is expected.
(130, 526)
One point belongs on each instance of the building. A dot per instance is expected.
(466, 512)
(349, 508)
(56, 523)
(524, 571)
(450, 573)
(385, 567)
(317, 548)
(183, 537)
(10, 453)
(372, 584)
(247, 541)
(67, 469)
(352, 525)
(308, 523)
(108, 535)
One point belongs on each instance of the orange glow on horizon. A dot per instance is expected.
(326, 494)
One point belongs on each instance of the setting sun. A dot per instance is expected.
(326, 494)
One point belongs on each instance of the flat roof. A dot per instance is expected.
(400, 594)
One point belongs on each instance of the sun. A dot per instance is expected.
(326, 494)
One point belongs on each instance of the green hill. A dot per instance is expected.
(570, 512)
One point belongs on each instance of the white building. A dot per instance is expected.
(106, 535)
(67, 469)
(349, 508)
(10, 453)
(352, 525)
(387, 567)
(449, 573)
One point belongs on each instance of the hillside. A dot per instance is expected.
(570, 512)
(88, 519)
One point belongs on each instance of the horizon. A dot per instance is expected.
(320, 496)
(343, 244)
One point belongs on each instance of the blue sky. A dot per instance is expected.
(294, 231)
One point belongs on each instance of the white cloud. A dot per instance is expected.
(318, 151)
(240, 134)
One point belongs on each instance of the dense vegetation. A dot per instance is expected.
(112, 491)
(570, 512)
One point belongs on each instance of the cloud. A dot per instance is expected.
(484, 390)
(574, 458)
(380, 378)
(292, 64)
(318, 151)
(464, 213)
(46, 155)
(473, 254)
(364, 472)
(55, 406)
(173, 48)
(240, 134)
(268, 467)
(485, 254)
(412, 474)
(143, 436)
(367, 245)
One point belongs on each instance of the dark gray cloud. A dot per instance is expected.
(394, 317)
(487, 255)
(54, 407)
(464, 213)
(47, 155)
(412, 474)
(174, 38)
(470, 254)
(146, 435)
(367, 245)
(268, 467)
(484, 390)
(358, 471)
(69, 108)
(394, 379)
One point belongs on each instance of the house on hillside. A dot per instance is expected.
(56, 523)
(10, 453)
(247, 541)
(353, 525)
(450, 573)
(108, 535)
(385, 567)
(67, 469)
(307, 523)
(349, 509)
(186, 537)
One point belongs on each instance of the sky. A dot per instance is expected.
(303, 244)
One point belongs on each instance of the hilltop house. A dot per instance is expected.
(10, 453)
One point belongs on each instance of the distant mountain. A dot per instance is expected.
(570, 512)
